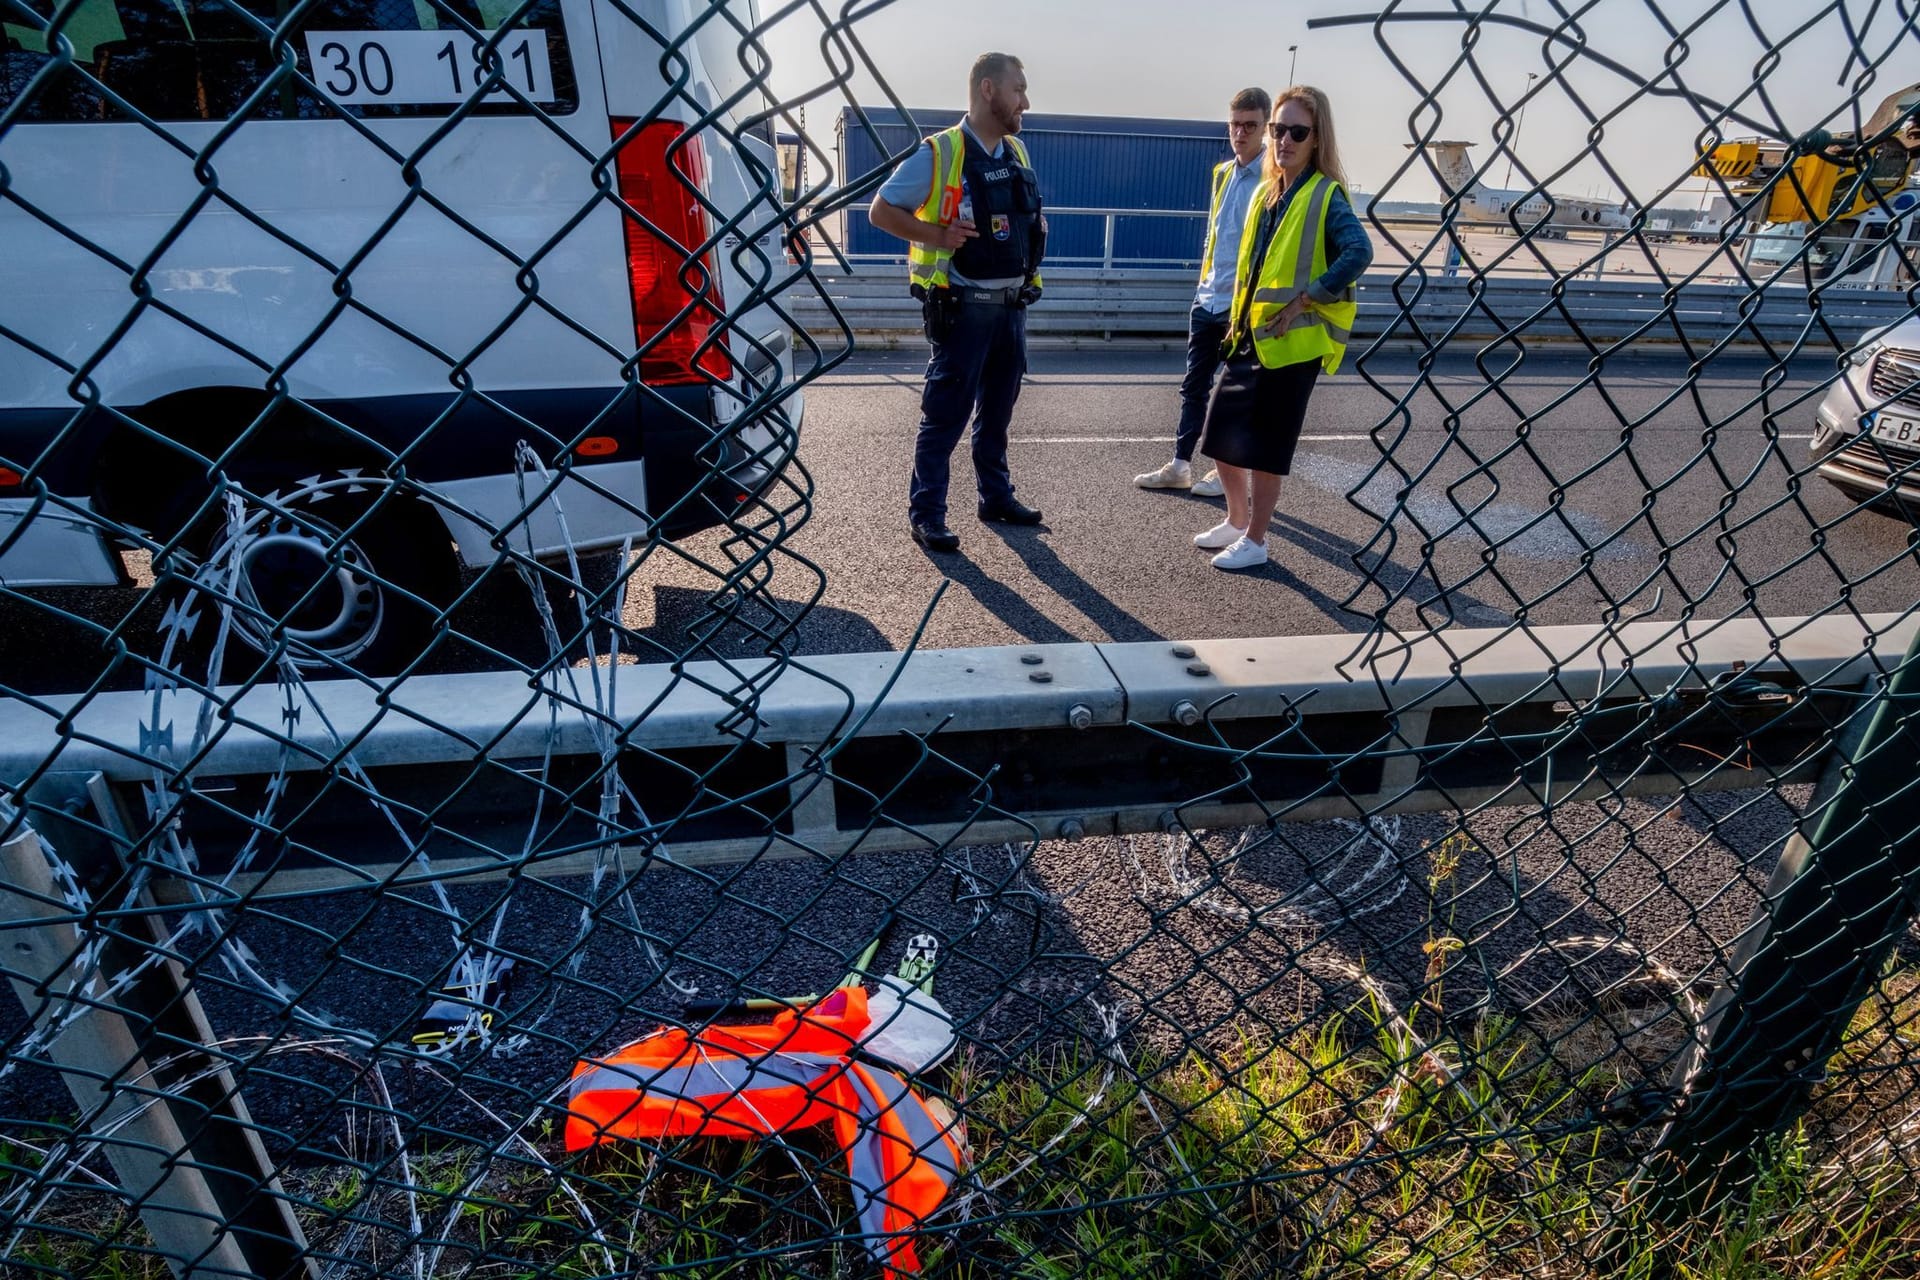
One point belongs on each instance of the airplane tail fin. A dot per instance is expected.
(1450, 159)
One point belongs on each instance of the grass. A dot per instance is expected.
(1371, 1144)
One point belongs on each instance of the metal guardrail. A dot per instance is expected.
(1110, 296)
(1081, 739)
(1758, 248)
(1145, 303)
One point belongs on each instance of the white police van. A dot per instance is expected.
(340, 260)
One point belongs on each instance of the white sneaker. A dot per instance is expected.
(1174, 475)
(1221, 535)
(1208, 486)
(1243, 554)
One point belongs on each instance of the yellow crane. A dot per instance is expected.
(1818, 180)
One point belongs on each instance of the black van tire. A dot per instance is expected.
(355, 572)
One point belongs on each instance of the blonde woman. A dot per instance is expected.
(1300, 254)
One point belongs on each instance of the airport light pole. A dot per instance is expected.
(1294, 51)
(1518, 123)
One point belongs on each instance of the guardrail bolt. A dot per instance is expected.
(1080, 716)
(1072, 829)
(1031, 659)
(1199, 669)
(1183, 651)
(1040, 677)
(1186, 713)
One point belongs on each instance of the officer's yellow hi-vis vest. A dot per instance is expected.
(1222, 175)
(926, 265)
(1296, 256)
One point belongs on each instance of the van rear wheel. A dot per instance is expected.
(338, 572)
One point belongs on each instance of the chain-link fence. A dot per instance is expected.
(383, 896)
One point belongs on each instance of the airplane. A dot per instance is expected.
(1556, 215)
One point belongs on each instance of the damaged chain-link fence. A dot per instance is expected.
(383, 899)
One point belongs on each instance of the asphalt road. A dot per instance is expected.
(1550, 495)
(1450, 499)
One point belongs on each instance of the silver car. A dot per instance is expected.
(1866, 434)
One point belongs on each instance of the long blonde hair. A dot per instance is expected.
(1326, 152)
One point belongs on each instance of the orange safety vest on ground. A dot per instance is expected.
(791, 1073)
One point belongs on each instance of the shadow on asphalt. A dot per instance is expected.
(701, 625)
(1011, 607)
(71, 640)
(1046, 565)
(1001, 600)
(1392, 580)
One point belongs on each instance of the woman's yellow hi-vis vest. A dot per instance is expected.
(1296, 257)
(926, 265)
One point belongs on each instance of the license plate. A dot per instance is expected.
(366, 67)
(1896, 429)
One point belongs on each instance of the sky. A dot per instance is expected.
(1184, 60)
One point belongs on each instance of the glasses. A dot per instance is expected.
(1298, 132)
(1242, 126)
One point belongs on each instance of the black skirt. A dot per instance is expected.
(1255, 415)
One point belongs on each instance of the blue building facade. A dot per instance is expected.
(1101, 162)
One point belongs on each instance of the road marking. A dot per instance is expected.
(1162, 439)
(1134, 439)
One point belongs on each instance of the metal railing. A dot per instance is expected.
(1402, 728)
(1608, 253)
(1397, 309)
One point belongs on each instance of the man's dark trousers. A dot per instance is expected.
(975, 370)
(1206, 330)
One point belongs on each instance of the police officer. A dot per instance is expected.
(968, 205)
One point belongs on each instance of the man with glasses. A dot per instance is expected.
(1233, 186)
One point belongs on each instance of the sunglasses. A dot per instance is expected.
(1298, 132)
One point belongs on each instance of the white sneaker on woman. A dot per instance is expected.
(1221, 535)
(1208, 486)
(1243, 554)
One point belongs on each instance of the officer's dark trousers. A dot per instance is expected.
(975, 370)
(1206, 330)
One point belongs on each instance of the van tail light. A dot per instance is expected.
(663, 273)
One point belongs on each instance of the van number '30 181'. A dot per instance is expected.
(363, 67)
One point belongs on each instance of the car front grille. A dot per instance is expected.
(1881, 457)
(1896, 377)
(1894, 384)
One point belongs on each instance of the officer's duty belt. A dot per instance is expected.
(988, 297)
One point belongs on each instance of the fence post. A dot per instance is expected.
(1838, 902)
(173, 1125)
